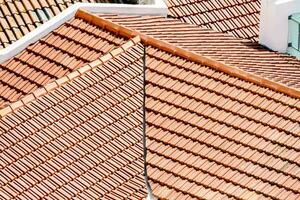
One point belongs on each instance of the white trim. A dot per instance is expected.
(158, 8)
(273, 28)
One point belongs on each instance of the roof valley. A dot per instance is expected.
(214, 131)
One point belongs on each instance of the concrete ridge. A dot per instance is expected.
(65, 79)
(191, 56)
(158, 8)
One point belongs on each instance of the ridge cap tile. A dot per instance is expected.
(50, 86)
(16, 104)
(95, 63)
(39, 92)
(85, 117)
(69, 77)
(27, 98)
(106, 57)
(6, 110)
(192, 56)
(127, 45)
(73, 75)
(287, 88)
(136, 39)
(62, 80)
(116, 52)
(84, 69)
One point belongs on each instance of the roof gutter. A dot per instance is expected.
(159, 8)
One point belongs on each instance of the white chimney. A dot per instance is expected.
(274, 16)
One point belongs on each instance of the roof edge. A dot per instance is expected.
(191, 56)
(65, 79)
(158, 8)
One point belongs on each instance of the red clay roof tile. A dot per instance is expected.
(240, 152)
(17, 18)
(243, 54)
(211, 134)
(86, 141)
(239, 18)
(47, 60)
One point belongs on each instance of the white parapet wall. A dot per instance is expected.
(274, 15)
(159, 8)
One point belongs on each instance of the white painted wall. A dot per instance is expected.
(274, 15)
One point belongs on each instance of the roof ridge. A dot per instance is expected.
(62, 80)
(157, 8)
(189, 55)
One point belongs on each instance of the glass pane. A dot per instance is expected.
(296, 17)
(293, 34)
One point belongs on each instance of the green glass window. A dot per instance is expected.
(294, 35)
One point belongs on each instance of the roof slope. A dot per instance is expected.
(18, 17)
(239, 17)
(243, 54)
(214, 136)
(80, 136)
(214, 131)
(64, 50)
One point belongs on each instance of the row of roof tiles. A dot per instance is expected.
(211, 134)
(224, 16)
(214, 135)
(239, 18)
(80, 135)
(64, 50)
(17, 17)
(33, 67)
(243, 54)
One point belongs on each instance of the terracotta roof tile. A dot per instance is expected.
(239, 18)
(211, 133)
(53, 57)
(243, 54)
(79, 138)
(217, 139)
(17, 18)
